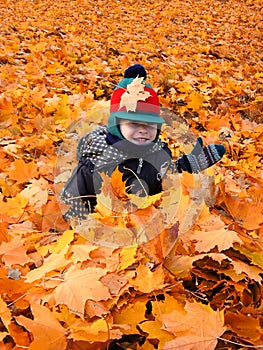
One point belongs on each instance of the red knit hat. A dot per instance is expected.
(134, 100)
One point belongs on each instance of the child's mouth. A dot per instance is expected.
(141, 140)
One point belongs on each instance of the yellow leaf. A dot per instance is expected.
(64, 241)
(195, 101)
(90, 332)
(127, 257)
(63, 111)
(144, 202)
(99, 92)
(131, 315)
(55, 68)
(52, 262)
(14, 207)
(155, 331)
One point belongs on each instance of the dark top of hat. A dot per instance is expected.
(137, 70)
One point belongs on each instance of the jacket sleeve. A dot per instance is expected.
(85, 183)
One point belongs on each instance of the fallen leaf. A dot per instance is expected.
(79, 286)
(47, 331)
(148, 281)
(22, 171)
(199, 328)
(223, 239)
(135, 92)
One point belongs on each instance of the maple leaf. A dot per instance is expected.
(6, 107)
(22, 171)
(114, 282)
(243, 325)
(52, 262)
(135, 92)
(49, 85)
(80, 252)
(222, 238)
(146, 280)
(19, 335)
(14, 252)
(130, 315)
(195, 101)
(251, 271)
(52, 217)
(182, 265)
(47, 331)
(118, 186)
(127, 257)
(36, 192)
(199, 328)
(91, 332)
(14, 207)
(79, 286)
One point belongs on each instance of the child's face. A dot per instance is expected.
(139, 133)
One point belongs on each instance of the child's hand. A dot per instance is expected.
(200, 158)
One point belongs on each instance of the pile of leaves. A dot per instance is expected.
(198, 282)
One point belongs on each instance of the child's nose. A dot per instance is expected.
(143, 128)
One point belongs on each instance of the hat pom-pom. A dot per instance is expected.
(137, 70)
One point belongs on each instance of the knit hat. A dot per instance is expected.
(134, 100)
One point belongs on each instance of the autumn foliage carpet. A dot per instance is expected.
(59, 62)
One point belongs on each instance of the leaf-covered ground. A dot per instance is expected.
(59, 62)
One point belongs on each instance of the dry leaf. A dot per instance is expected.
(134, 92)
(47, 331)
(79, 286)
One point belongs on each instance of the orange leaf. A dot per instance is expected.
(6, 108)
(221, 238)
(52, 217)
(47, 331)
(14, 252)
(3, 232)
(250, 215)
(5, 313)
(118, 185)
(131, 315)
(79, 286)
(114, 282)
(146, 280)
(198, 329)
(23, 172)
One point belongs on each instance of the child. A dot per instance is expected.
(130, 142)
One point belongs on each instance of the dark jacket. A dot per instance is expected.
(143, 168)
